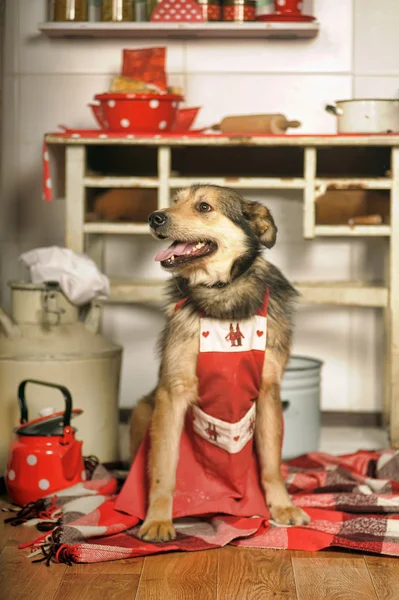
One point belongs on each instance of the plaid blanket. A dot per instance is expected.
(353, 501)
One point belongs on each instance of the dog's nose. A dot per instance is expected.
(157, 219)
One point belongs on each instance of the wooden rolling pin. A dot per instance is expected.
(276, 124)
(365, 220)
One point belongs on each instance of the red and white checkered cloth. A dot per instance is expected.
(353, 501)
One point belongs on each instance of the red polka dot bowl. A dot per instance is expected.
(136, 113)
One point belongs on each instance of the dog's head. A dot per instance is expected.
(215, 233)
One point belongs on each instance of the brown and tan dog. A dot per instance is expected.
(215, 257)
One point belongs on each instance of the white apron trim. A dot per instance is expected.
(231, 437)
(214, 335)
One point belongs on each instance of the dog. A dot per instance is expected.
(218, 270)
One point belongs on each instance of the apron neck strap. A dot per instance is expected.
(263, 309)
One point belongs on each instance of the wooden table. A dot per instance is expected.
(312, 164)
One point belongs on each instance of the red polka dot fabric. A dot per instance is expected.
(47, 184)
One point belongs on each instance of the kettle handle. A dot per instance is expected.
(24, 409)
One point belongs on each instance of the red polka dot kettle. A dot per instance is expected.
(45, 457)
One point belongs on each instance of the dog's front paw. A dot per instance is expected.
(289, 515)
(157, 531)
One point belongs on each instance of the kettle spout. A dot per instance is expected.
(93, 319)
(7, 326)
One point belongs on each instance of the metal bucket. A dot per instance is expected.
(300, 395)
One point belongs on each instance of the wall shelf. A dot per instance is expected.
(148, 30)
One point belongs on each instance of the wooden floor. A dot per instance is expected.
(226, 574)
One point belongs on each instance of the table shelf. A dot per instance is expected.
(126, 291)
(99, 181)
(320, 230)
(352, 231)
(363, 183)
(116, 228)
(242, 183)
(343, 293)
(375, 167)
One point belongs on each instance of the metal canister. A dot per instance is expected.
(211, 10)
(95, 10)
(239, 10)
(70, 10)
(118, 10)
(47, 340)
(151, 6)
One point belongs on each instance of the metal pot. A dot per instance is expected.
(366, 116)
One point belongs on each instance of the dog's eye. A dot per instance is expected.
(204, 207)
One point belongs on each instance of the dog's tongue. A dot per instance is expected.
(175, 249)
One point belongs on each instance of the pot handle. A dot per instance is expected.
(24, 409)
(334, 110)
(8, 327)
(93, 320)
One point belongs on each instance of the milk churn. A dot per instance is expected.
(45, 339)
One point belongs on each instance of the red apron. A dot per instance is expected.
(217, 470)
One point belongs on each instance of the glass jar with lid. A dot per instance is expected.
(71, 10)
(211, 10)
(118, 10)
(239, 10)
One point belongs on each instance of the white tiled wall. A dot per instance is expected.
(299, 96)
(330, 52)
(49, 82)
(376, 37)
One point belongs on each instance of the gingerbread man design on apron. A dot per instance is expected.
(217, 470)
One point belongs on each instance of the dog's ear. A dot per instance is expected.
(261, 221)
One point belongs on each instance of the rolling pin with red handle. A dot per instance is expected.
(273, 123)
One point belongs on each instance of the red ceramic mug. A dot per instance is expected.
(288, 7)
